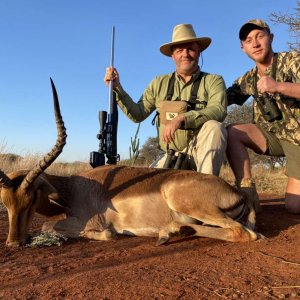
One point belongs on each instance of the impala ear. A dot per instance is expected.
(43, 184)
(4, 180)
(55, 198)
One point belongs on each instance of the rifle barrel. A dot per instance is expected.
(112, 50)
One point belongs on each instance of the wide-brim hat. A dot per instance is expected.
(251, 25)
(184, 33)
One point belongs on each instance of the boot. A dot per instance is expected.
(248, 188)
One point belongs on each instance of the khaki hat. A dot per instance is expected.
(250, 25)
(184, 33)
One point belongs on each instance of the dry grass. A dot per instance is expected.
(29, 161)
(267, 181)
(68, 169)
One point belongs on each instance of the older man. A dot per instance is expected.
(190, 104)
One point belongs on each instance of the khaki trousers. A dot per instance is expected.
(206, 152)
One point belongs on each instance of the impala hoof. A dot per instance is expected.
(162, 240)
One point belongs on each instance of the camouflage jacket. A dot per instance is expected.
(288, 70)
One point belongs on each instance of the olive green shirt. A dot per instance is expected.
(212, 91)
(211, 102)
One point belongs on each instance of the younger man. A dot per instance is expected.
(274, 83)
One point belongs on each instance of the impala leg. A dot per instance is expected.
(104, 235)
(69, 227)
(227, 230)
(165, 233)
(251, 218)
(73, 228)
(235, 233)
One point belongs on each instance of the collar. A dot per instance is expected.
(195, 76)
(271, 69)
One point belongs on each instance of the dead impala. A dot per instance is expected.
(109, 200)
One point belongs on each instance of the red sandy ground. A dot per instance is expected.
(134, 268)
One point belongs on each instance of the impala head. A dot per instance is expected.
(20, 190)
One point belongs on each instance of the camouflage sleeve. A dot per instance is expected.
(294, 66)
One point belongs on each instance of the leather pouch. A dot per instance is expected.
(168, 110)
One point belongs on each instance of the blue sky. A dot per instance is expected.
(69, 40)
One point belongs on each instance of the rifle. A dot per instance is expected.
(108, 126)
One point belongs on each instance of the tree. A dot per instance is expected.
(10, 157)
(293, 22)
(149, 151)
(240, 114)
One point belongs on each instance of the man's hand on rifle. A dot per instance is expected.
(112, 74)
